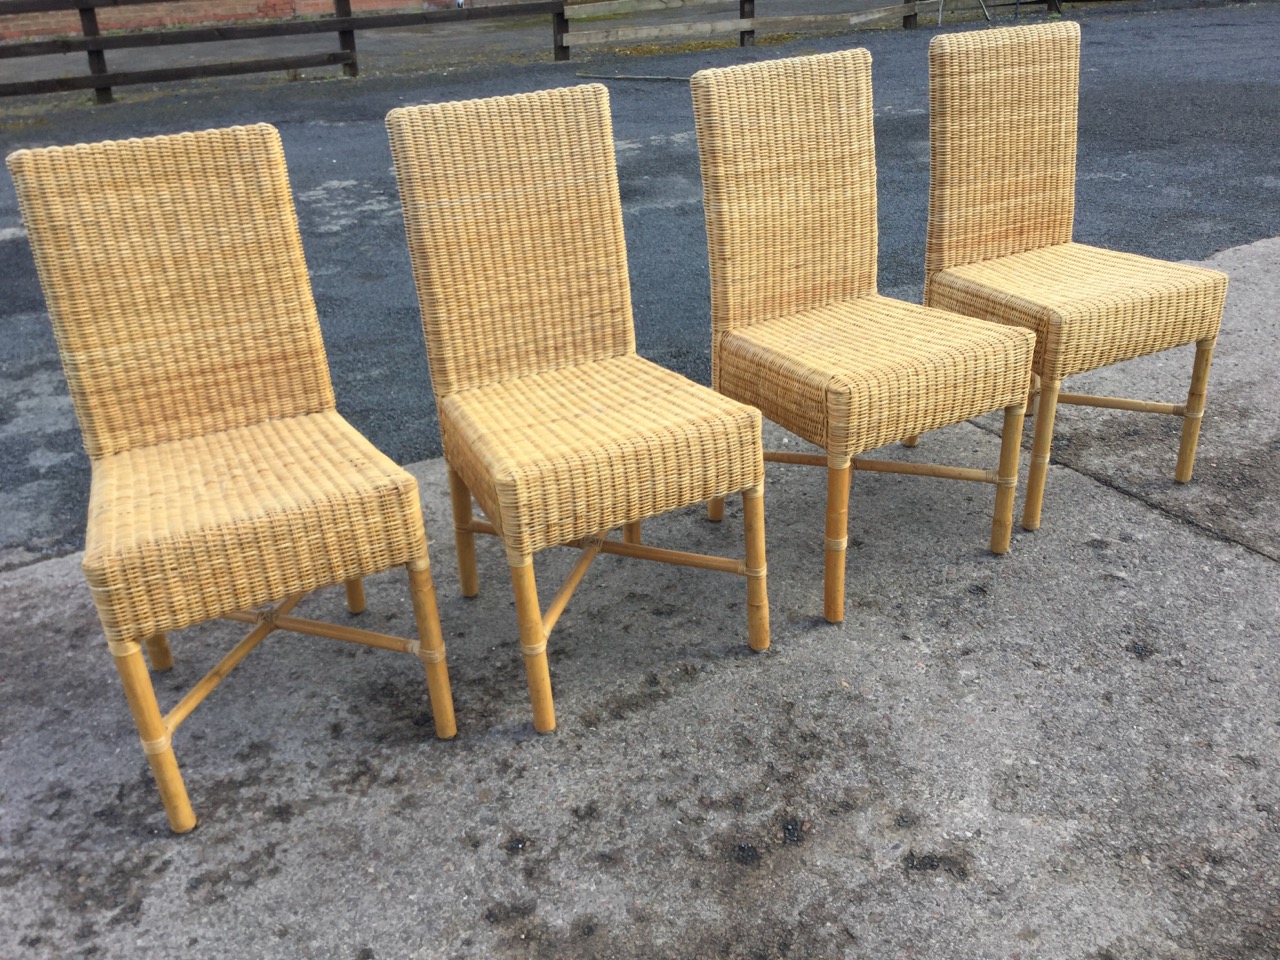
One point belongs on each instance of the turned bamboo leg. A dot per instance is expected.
(1007, 477)
(431, 648)
(1040, 447)
(631, 532)
(1195, 410)
(355, 595)
(1033, 396)
(757, 574)
(155, 738)
(533, 644)
(158, 652)
(715, 509)
(464, 540)
(911, 441)
(837, 540)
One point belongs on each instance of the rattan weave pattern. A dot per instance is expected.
(222, 475)
(790, 188)
(1002, 124)
(184, 531)
(565, 254)
(194, 312)
(854, 375)
(558, 428)
(1089, 307)
(571, 452)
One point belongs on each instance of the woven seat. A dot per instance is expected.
(1003, 114)
(548, 417)
(223, 477)
(798, 330)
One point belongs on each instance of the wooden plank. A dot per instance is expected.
(710, 28)
(613, 8)
(829, 21)
(97, 59)
(289, 28)
(50, 6)
(370, 21)
(233, 68)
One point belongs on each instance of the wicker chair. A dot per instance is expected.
(1002, 136)
(548, 416)
(798, 330)
(223, 477)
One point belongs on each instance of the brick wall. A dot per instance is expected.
(174, 13)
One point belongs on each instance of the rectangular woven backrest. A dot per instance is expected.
(514, 225)
(175, 279)
(1002, 139)
(789, 184)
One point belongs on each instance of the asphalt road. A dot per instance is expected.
(1179, 157)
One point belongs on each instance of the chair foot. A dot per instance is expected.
(837, 529)
(631, 532)
(1195, 410)
(715, 509)
(757, 574)
(158, 652)
(155, 738)
(533, 644)
(1007, 478)
(355, 595)
(911, 441)
(431, 649)
(1040, 448)
(464, 540)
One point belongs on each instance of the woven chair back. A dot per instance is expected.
(174, 276)
(1002, 139)
(514, 225)
(789, 185)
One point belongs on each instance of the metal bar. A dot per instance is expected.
(1120, 403)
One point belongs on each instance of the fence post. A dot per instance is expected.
(559, 27)
(909, 21)
(346, 38)
(97, 58)
(746, 11)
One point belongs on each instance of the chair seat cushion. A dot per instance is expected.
(576, 451)
(853, 375)
(184, 531)
(1089, 307)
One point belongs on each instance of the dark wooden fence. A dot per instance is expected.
(101, 80)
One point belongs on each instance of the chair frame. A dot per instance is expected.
(1054, 216)
(840, 467)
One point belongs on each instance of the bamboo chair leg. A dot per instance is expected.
(1040, 447)
(1195, 410)
(837, 541)
(155, 739)
(464, 540)
(431, 648)
(757, 574)
(355, 595)
(715, 509)
(158, 652)
(533, 644)
(1007, 478)
(911, 441)
(631, 532)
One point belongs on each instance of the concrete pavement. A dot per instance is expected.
(1072, 751)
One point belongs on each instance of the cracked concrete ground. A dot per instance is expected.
(1072, 751)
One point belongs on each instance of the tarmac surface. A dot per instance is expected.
(1071, 751)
